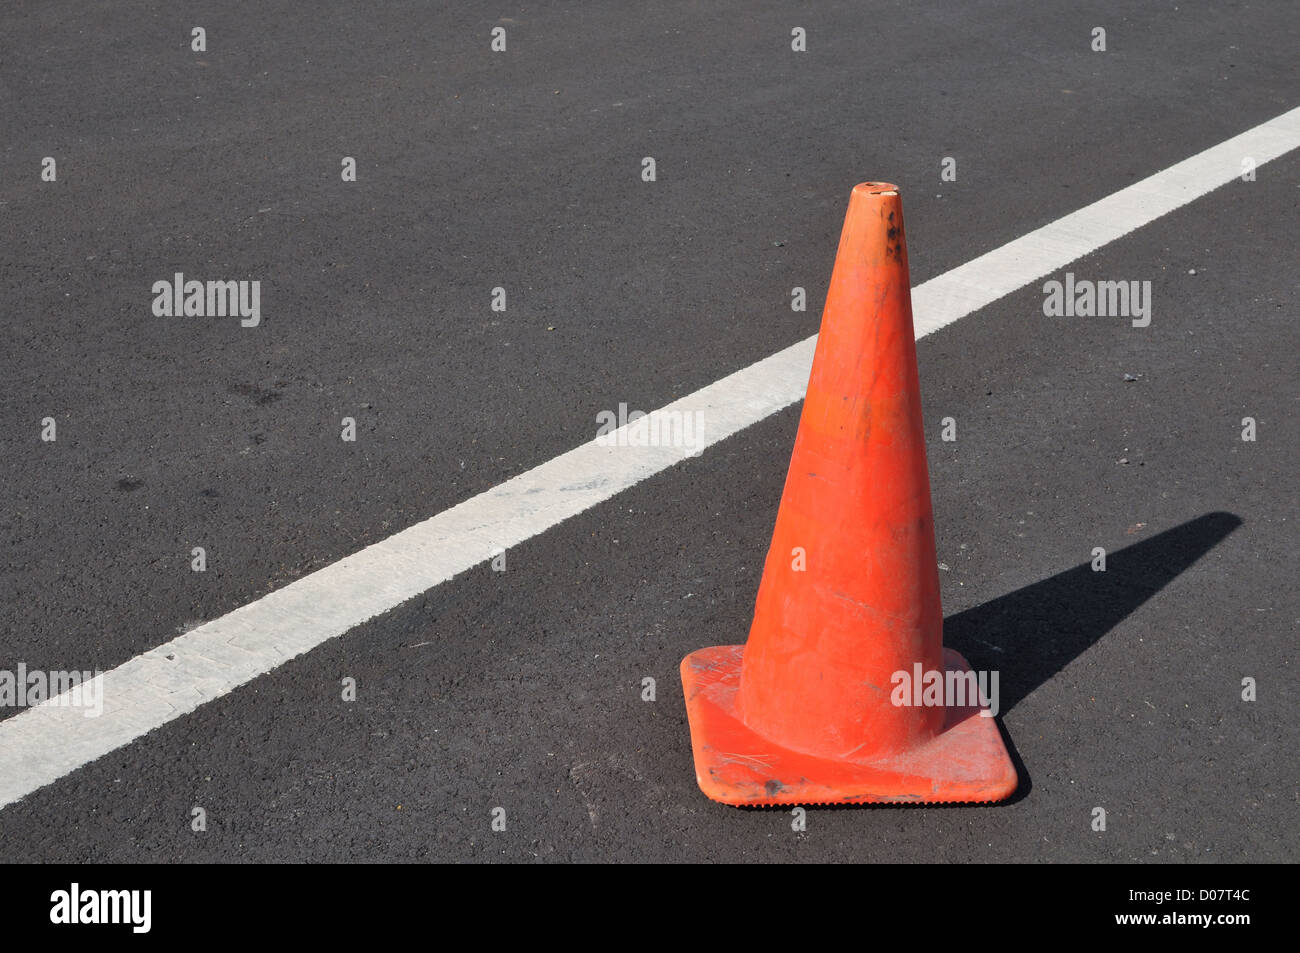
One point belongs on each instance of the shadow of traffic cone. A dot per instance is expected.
(844, 692)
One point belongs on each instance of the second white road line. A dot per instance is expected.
(50, 740)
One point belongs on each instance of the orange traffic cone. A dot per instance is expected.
(825, 703)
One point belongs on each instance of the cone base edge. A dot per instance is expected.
(967, 764)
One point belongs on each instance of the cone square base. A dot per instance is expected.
(967, 762)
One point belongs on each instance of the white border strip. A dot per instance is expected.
(48, 741)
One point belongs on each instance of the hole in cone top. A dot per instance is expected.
(876, 188)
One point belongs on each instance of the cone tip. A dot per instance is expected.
(876, 188)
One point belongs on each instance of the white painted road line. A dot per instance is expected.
(45, 742)
(969, 287)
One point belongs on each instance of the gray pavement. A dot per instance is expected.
(522, 170)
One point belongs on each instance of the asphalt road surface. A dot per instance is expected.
(523, 169)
